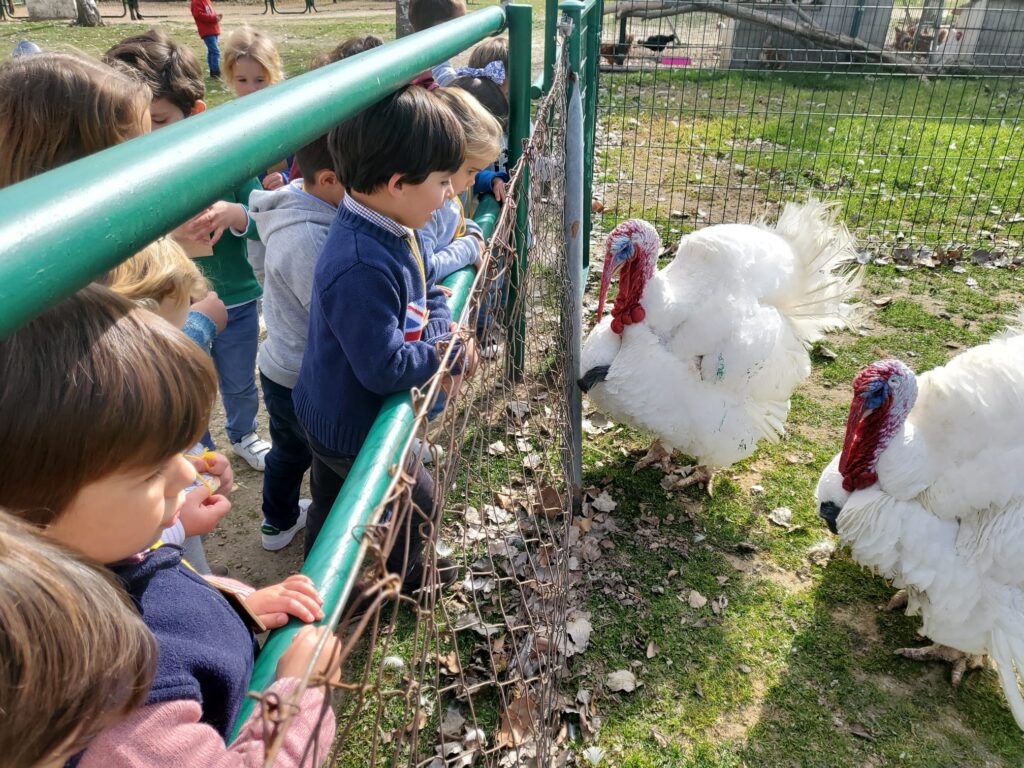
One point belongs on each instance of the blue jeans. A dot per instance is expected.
(212, 55)
(234, 355)
(287, 461)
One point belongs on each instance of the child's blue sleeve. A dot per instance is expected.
(485, 181)
(459, 253)
(443, 73)
(201, 329)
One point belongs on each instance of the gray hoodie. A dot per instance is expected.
(293, 226)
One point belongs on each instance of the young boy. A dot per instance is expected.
(424, 14)
(293, 223)
(208, 26)
(376, 315)
(174, 76)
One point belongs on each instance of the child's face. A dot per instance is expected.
(418, 202)
(466, 175)
(124, 513)
(163, 112)
(248, 77)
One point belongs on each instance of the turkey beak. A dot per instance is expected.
(829, 512)
(592, 377)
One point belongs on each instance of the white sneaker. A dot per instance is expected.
(427, 451)
(275, 539)
(253, 449)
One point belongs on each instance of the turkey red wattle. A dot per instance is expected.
(632, 252)
(627, 309)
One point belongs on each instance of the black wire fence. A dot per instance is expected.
(908, 115)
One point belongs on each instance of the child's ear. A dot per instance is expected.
(198, 107)
(395, 184)
(325, 177)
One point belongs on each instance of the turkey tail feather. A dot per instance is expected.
(1008, 653)
(828, 272)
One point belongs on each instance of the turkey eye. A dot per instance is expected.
(894, 382)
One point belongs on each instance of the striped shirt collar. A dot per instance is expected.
(382, 221)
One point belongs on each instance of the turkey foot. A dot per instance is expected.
(899, 600)
(656, 454)
(960, 661)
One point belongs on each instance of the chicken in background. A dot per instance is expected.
(706, 352)
(928, 492)
(616, 53)
(658, 43)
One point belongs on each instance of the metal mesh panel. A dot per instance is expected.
(469, 674)
(909, 115)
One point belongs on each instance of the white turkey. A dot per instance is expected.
(928, 492)
(706, 352)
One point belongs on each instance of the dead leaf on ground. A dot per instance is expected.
(858, 730)
(450, 663)
(652, 649)
(550, 504)
(451, 724)
(533, 461)
(781, 516)
(623, 680)
(660, 738)
(696, 599)
(604, 502)
(497, 448)
(517, 722)
(518, 409)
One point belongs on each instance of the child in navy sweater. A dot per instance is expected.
(376, 315)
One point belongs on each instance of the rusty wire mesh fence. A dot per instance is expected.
(468, 673)
(908, 114)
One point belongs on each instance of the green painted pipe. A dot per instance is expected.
(66, 227)
(543, 81)
(593, 53)
(334, 562)
(520, 20)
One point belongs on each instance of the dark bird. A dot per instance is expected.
(616, 53)
(658, 43)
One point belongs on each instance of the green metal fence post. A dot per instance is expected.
(593, 45)
(543, 81)
(520, 22)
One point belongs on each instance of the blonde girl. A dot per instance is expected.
(251, 63)
(75, 657)
(59, 107)
(453, 240)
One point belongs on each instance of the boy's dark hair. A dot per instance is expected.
(91, 387)
(488, 93)
(170, 69)
(493, 49)
(315, 156)
(424, 14)
(343, 50)
(409, 133)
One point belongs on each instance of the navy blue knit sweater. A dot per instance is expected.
(364, 338)
(206, 651)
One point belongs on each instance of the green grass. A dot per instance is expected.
(936, 159)
(818, 649)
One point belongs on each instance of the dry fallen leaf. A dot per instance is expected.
(533, 461)
(696, 599)
(451, 725)
(604, 503)
(652, 649)
(781, 516)
(578, 629)
(660, 738)
(516, 722)
(518, 409)
(622, 680)
(550, 504)
(497, 448)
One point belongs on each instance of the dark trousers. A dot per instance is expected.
(288, 460)
(325, 481)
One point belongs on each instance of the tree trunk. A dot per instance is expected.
(402, 25)
(645, 9)
(88, 14)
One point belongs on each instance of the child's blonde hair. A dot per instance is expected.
(251, 43)
(158, 271)
(483, 131)
(57, 107)
(75, 656)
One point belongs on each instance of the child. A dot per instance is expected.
(450, 240)
(84, 106)
(251, 63)
(162, 279)
(173, 72)
(485, 85)
(345, 49)
(492, 49)
(375, 314)
(424, 14)
(54, 697)
(293, 223)
(208, 25)
(169, 69)
(111, 394)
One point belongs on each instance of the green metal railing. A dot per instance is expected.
(64, 228)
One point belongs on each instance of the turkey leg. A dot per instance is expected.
(961, 662)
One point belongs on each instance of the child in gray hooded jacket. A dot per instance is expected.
(293, 222)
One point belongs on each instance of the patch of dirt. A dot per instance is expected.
(756, 567)
(734, 726)
(236, 12)
(860, 621)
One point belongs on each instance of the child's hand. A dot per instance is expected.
(498, 188)
(209, 225)
(480, 247)
(213, 308)
(216, 464)
(202, 511)
(470, 357)
(273, 180)
(295, 596)
(295, 659)
(445, 290)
